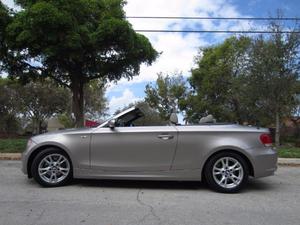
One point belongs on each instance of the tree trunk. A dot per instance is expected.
(77, 102)
(38, 126)
(237, 111)
(34, 126)
(277, 130)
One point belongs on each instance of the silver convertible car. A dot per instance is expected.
(224, 155)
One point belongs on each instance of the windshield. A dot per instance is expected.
(116, 116)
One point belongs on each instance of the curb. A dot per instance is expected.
(10, 156)
(295, 162)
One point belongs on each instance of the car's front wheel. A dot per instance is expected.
(226, 172)
(51, 168)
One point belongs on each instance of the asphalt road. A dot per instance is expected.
(273, 200)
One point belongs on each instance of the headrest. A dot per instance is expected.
(207, 119)
(173, 118)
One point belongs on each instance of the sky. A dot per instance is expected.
(179, 50)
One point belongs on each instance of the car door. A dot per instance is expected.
(133, 148)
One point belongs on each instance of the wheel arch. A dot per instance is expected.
(243, 155)
(38, 150)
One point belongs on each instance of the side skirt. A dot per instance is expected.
(176, 175)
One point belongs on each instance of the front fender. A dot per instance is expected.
(29, 154)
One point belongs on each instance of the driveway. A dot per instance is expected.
(273, 200)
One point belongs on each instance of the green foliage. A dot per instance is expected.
(274, 68)
(9, 107)
(167, 94)
(75, 41)
(41, 100)
(9, 124)
(12, 145)
(4, 21)
(95, 102)
(35, 101)
(8, 97)
(66, 120)
(274, 71)
(246, 79)
(218, 81)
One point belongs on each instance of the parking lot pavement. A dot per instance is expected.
(273, 200)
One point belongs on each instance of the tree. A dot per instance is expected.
(95, 102)
(9, 107)
(247, 79)
(296, 112)
(4, 21)
(274, 72)
(41, 100)
(167, 94)
(74, 42)
(218, 82)
(35, 101)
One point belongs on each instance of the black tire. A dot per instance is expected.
(37, 160)
(209, 177)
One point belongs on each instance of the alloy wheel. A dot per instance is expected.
(54, 168)
(228, 172)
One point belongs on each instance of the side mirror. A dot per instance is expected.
(112, 124)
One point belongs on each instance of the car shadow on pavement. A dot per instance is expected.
(253, 184)
(136, 184)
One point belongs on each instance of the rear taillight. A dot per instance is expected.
(266, 140)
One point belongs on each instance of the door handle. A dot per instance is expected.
(165, 136)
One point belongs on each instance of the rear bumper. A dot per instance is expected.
(264, 161)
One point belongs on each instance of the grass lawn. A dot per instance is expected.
(288, 152)
(12, 145)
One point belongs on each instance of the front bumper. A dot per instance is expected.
(264, 161)
(26, 154)
(24, 159)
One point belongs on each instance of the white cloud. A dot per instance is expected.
(177, 54)
(11, 4)
(126, 98)
(178, 51)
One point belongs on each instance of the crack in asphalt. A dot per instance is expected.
(39, 217)
(150, 207)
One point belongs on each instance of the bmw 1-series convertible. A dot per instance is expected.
(224, 155)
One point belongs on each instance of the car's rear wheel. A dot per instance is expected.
(51, 168)
(226, 172)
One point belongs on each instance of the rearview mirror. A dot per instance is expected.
(112, 124)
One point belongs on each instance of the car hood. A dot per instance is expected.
(52, 134)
